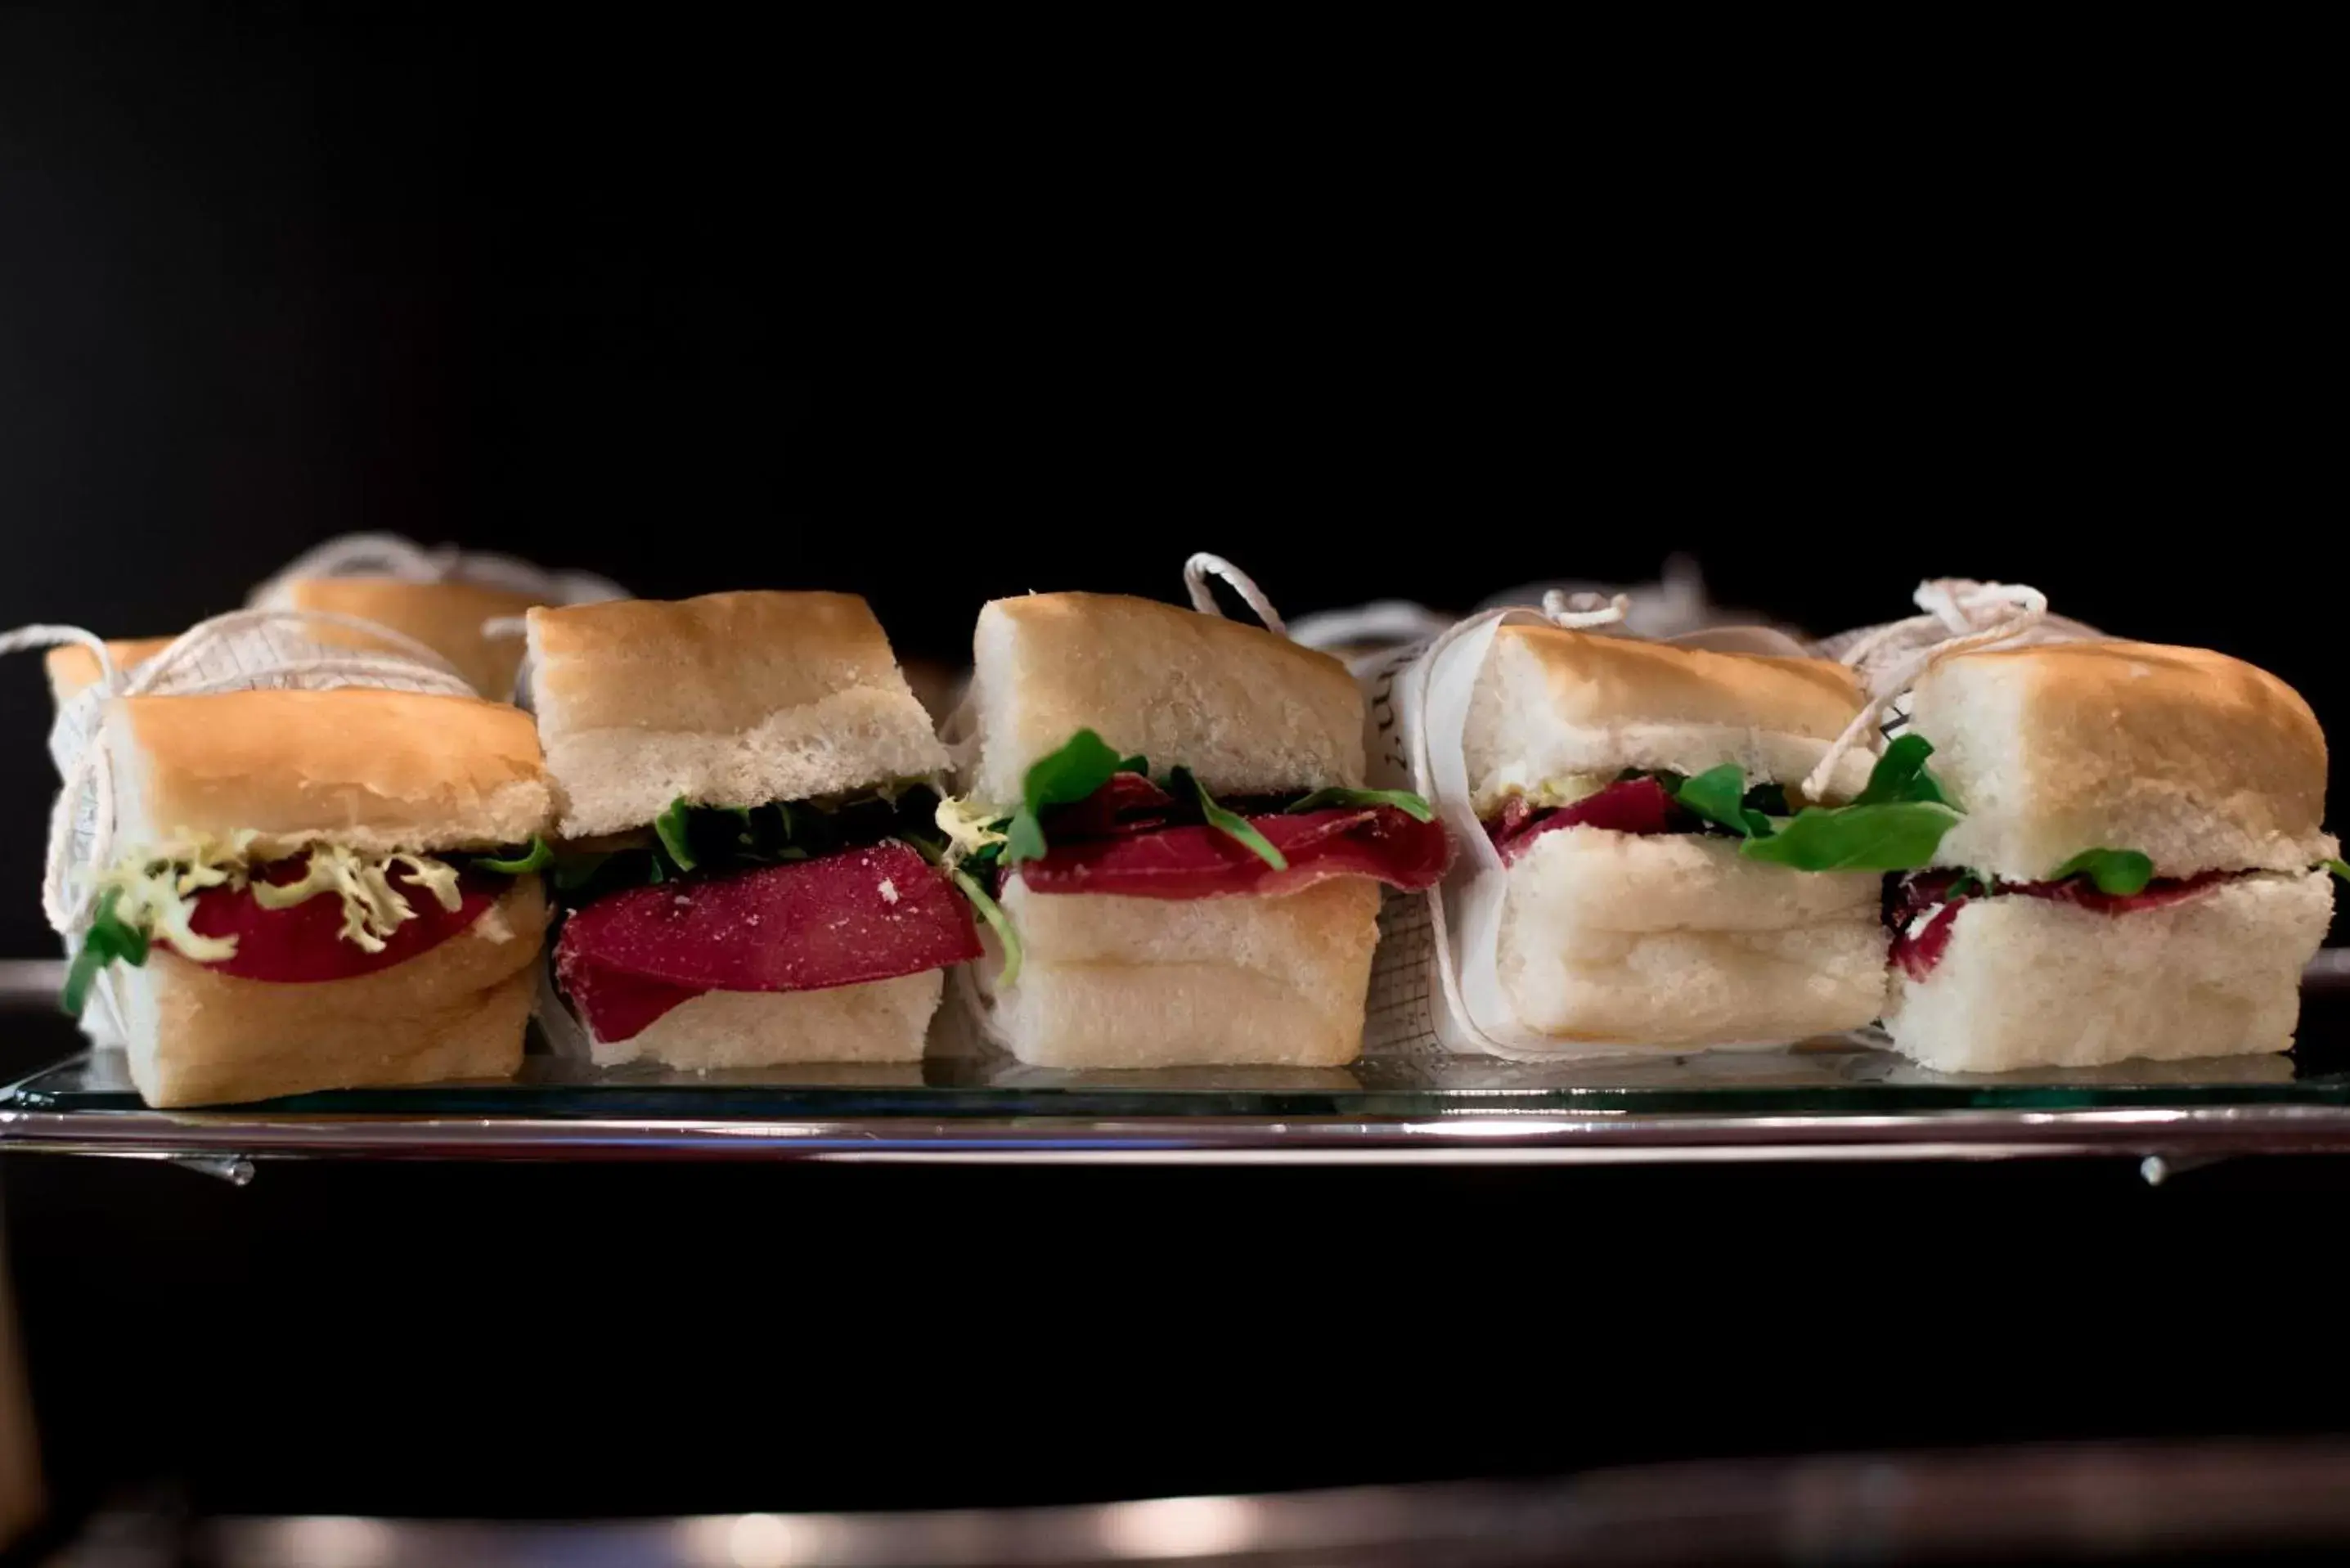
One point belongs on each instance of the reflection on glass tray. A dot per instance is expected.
(1821, 1077)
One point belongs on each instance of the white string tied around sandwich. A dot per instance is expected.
(1960, 615)
(250, 649)
(1203, 566)
(1584, 610)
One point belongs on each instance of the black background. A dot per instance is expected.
(706, 307)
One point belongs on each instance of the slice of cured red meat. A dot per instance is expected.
(1128, 803)
(1918, 949)
(1918, 952)
(620, 1006)
(1204, 863)
(860, 914)
(1629, 805)
(2155, 895)
(303, 943)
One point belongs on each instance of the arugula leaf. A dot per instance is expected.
(1897, 836)
(109, 938)
(1719, 796)
(2117, 872)
(1893, 825)
(1403, 800)
(2340, 868)
(1716, 795)
(674, 828)
(1900, 775)
(1231, 824)
(1058, 778)
(1023, 840)
(1136, 766)
(1067, 776)
(537, 858)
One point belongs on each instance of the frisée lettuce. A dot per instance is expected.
(149, 896)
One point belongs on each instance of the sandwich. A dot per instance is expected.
(1652, 873)
(741, 782)
(2140, 870)
(304, 890)
(1168, 809)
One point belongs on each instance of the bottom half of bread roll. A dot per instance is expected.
(1114, 982)
(879, 1021)
(197, 1036)
(2033, 983)
(1675, 940)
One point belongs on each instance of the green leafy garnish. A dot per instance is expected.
(674, 828)
(1716, 795)
(1136, 766)
(1403, 800)
(997, 921)
(1899, 835)
(1893, 825)
(935, 852)
(1719, 796)
(1058, 778)
(2340, 868)
(109, 938)
(708, 839)
(2117, 872)
(1900, 775)
(1231, 824)
(537, 858)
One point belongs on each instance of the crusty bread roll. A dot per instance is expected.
(73, 668)
(728, 700)
(1247, 711)
(2028, 983)
(1550, 704)
(456, 1011)
(370, 770)
(1675, 940)
(446, 618)
(1114, 982)
(882, 1020)
(2200, 761)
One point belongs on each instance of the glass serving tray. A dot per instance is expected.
(1824, 1098)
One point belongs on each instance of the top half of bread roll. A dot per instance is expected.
(1247, 711)
(446, 618)
(1554, 708)
(370, 770)
(2200, 761)
(729, 700)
